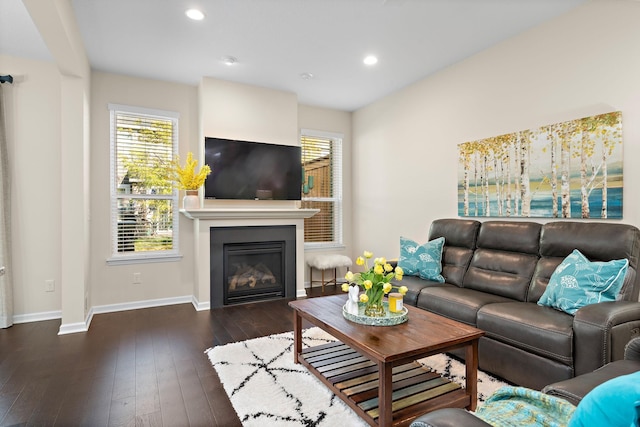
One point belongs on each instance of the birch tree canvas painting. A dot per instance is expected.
(570, 169)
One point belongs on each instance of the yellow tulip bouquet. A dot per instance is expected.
(375, 281)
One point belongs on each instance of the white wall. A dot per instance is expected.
(250, 113)
(33, 120)
(113, 284)
(55, 22)
(405, 146)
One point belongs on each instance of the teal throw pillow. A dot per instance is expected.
(577, 282)
(613, 403)
(422, 260)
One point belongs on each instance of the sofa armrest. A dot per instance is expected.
(574, 389)
(632, 349)
(601, 332)
(449, 417)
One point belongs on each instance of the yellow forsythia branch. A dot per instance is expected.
(186, 177)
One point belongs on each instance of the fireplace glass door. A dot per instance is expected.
(253, 271)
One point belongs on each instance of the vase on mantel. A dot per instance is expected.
(191, 200)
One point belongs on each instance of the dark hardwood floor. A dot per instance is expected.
(134, 368)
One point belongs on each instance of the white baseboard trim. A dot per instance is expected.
(73, 328)
(37, 317)
(135, 305)
(200, 306)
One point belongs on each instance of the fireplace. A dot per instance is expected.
(252, 263)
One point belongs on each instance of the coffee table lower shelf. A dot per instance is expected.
(354, 379)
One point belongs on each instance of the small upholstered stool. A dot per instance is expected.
(324, 262)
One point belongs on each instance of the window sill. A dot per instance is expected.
(323, 246)
(142, 259)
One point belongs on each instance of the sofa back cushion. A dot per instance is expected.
(505, 259)
(459, 243)
(597, 241)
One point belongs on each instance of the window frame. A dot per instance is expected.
(118, 258)
(337, 186)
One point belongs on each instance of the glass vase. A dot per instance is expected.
(374, 309)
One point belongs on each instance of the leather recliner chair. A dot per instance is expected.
(572, 390)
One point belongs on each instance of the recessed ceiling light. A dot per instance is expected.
(370, 60)
(306, 76)
(195, 14)
(229, 60)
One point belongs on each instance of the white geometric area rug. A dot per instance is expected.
(267, 389)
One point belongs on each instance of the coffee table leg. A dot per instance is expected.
(385, 391)
(297, 335)
(471, 365)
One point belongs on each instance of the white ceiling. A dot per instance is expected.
(275, 41)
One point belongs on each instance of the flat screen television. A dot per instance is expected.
(252, 170)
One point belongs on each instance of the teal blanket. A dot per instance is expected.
(519, 406)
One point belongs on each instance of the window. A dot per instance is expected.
(144, 202)
(322, 187)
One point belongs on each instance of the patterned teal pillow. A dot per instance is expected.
(577, 282)
(613, 403)
(422, 260)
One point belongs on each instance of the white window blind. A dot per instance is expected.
(322, 187)
(144, 202)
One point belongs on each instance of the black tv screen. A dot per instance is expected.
(252, 170)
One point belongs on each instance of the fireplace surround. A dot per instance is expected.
(203, 219)
(252, 263)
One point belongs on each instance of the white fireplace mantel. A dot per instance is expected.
(205, 218)
(248, 213)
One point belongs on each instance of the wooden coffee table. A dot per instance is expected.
(373, 368)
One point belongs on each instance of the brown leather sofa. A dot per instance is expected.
(496, 271)
(572, 390)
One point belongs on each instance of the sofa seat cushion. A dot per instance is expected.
(456, 303)
(414, 285)
(530, 327)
